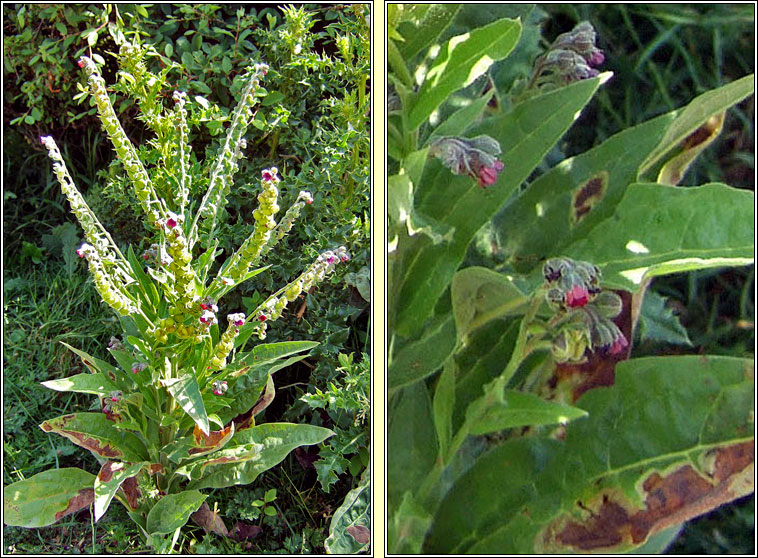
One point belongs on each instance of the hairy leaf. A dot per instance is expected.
(348, 530)
(186, 392)
(173, 511)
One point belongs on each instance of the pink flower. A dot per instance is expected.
(577, 296)
(138, 367)
(208, 317)
(80, 63)
(488, 175)
(269, 175)
(171, 222)
(596, 57)
(619, 345)
(236, 319)
(262, 318)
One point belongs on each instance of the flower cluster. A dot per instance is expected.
(475, 157)
(252, 248)
(152, 205)
(182, 154)
(573, 56)
(112, 292)
(221, 176)
(273, 306)
(284, 226)
(584, 310)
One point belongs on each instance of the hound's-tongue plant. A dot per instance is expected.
(179, 405)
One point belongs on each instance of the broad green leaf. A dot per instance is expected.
(112, 474)
(277, 441)
(479, 295)
(95, 432)
(443, 405)
(173, 511)
(419, 31)
(526, 134)
(401, 212)
(227, 456)
(671, 439)
(411, 442)
(422, 357)
(697, 113)
(186, 393)
(657, 230)
(97, 384)
(408, 526)
(351, 522)
(462, 60)
(47, 497)
(659, 323)
(566, 202)
(269, 352)
(524, 409)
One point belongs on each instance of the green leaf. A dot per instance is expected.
(526, 134)
(112, 474)
(408, 527)
(47, 497)
(462, 119)
(674, 169)
(657, 230)
(277, 440)
(524, 409)
(411, 441)
(462, 60)
(659, 323)
(697, 113)
(270, 352)
(422, 25)
(422, 357)
(351, 522)
(96, 433)
(672, 438)
(443, 405)
(566, 202)
(173, 511)
(186, 392)
(148, 289)
(479, 295)
(96, 384)
(401, 212)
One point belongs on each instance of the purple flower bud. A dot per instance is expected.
(269, 175)
(208, 318)
(138, 367)
(577, 296)
(488, 175)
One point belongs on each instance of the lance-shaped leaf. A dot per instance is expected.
(408, 526)
(524, 409)
(47, 497)
(421, 25)
(671, 439)
(525, 134)
(569, 200)
(277, 439)
(422, 357)
(349, 529)
(186, 393)
(657, 230)
(96, 365)
(462, 60)
(673, 170)
(697, 113)
(172, 511)
(236, 454)
(95, 432)
(97, 384)
(270, 352)
(411, 442)
(112, 474)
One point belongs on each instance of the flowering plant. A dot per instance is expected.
(177, 412)
(517, 421)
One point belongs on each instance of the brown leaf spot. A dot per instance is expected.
(669, 499)
(360, 533)
(266, 397)
(587, 195)
(107, 470)
(131, 491)
(83, 499)
(155, 468)
(206, 442)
